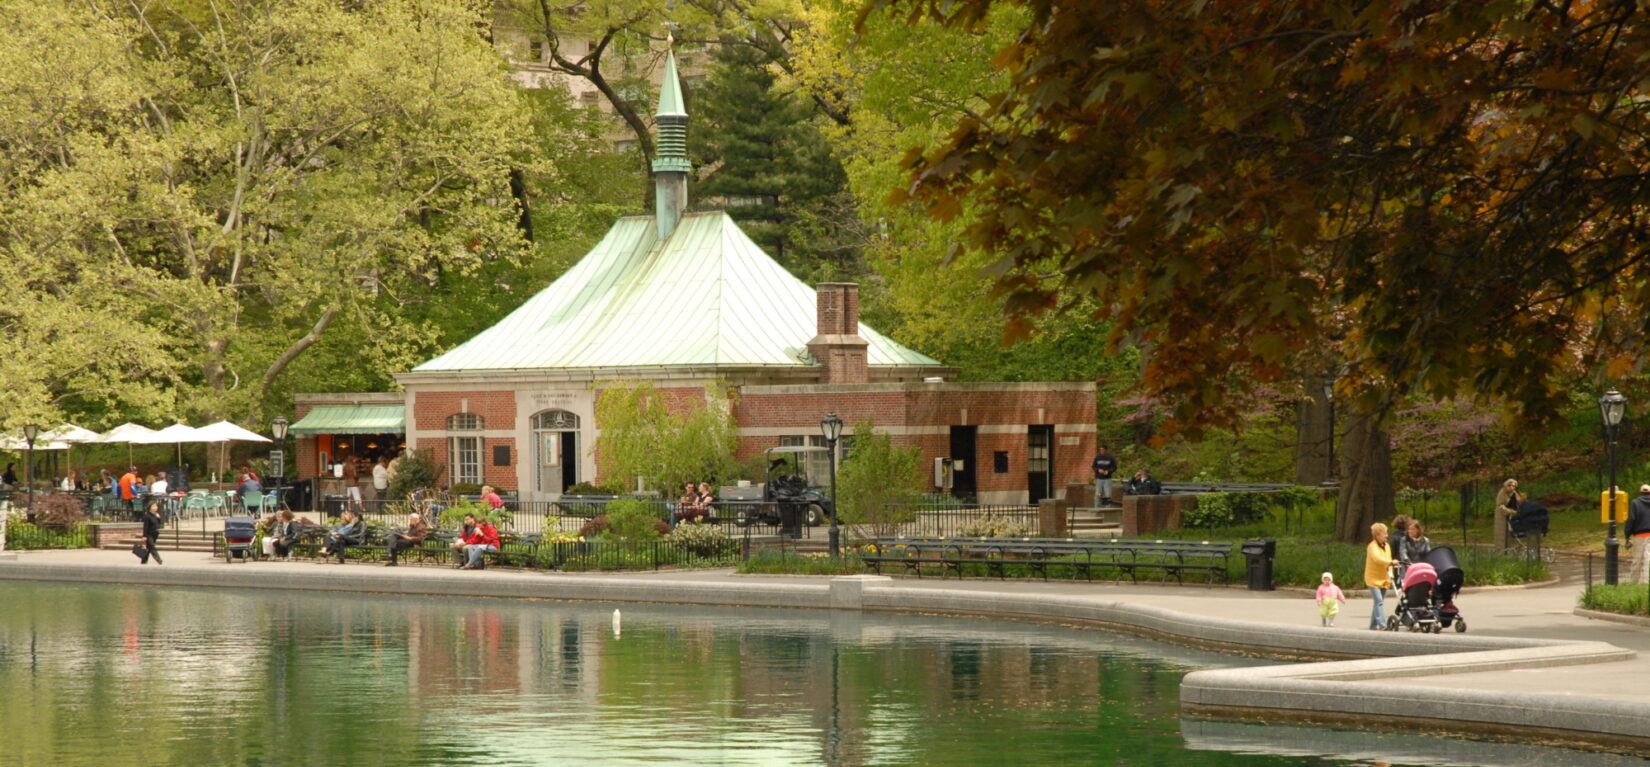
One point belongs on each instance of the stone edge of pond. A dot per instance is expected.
(1331, 691)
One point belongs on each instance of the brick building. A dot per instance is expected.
(684, 300)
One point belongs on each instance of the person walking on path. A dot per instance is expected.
(1509, 496)
(381, 479)
(1637, 533)
(1378, 574)
(417, 531)
(151, 533)
(1105, 466)
(352, 484)
(1413, 545)
(1330, 600)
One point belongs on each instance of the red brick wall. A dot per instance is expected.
(498, 413)
(496, 408)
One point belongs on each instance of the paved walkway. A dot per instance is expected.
(1540, 612)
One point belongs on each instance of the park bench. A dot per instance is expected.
(1169, 558)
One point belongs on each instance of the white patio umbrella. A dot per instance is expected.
(72, 435)
(125, 432)
(176, 434)
(226, 432)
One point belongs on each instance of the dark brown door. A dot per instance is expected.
(1040, 462)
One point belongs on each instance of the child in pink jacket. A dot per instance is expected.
(1330, 600)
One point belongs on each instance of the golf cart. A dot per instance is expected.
(787, 481)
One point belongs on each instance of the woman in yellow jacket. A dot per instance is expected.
(1378, 573)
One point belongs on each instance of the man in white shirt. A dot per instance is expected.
(380, 478)
(160, 487)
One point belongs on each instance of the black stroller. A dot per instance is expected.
(237, 539)
(1426, 599)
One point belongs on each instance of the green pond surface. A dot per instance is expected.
(111, 675)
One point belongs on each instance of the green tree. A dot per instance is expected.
(1438, 194)
(202, 199)
(903, 87)
(664, 440)
(878, 484)
(768, 162)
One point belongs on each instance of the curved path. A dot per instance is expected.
(1529, 669)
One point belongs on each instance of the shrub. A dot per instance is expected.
(782, 562)
(22, 535)
(993, 526)
(465, 488)
(700, 538)
(58, 509)
(453, 516)
(878, 485)
(632, 519)
(415, 470)
(1625, 598)
(589, 488)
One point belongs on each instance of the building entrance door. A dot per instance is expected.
(962, 452)
(556, 452)
(1040, 462)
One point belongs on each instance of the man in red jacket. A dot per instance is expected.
(483, 539)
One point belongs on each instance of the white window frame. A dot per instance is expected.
(464, 450)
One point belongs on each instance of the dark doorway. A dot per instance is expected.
(569, 459)
(1040, 462)
(962, 449)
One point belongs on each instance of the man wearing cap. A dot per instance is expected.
(1638, 535)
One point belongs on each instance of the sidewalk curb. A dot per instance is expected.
(1602, 615)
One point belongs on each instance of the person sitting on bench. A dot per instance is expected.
(417, 531)
(687, 506)
(350, 533)
(283, 535)
(483, 540)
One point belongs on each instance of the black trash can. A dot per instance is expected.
(1258, 556)
(791, 514)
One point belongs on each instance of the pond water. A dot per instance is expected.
(112, 675)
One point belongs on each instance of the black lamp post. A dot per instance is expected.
(277, 429)
(831, 427)
(1612, 406)
(30, 431)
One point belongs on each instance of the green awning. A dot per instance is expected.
(353, 419)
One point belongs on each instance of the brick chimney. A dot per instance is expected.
(838, 347)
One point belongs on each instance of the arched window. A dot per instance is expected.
(555, 420)
(464, 450)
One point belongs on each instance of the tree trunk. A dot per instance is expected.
(1366, 479)
(1314, 429)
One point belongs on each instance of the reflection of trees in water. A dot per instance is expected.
(379, 679)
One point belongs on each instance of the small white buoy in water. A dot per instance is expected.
(615, 624)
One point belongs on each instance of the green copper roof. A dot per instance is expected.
(671, 103)
(705, 297)
(353, 419)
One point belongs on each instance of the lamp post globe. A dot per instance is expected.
(1611, 407)
(831, 428)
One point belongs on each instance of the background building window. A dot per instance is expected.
(464, 450)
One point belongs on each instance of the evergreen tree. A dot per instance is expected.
(766, 160)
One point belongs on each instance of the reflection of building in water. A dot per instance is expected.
(500, 649)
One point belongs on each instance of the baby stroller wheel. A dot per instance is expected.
(1392, 623)
(1460, 626)
(1437, 629)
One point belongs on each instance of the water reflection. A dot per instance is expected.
(110, 675)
